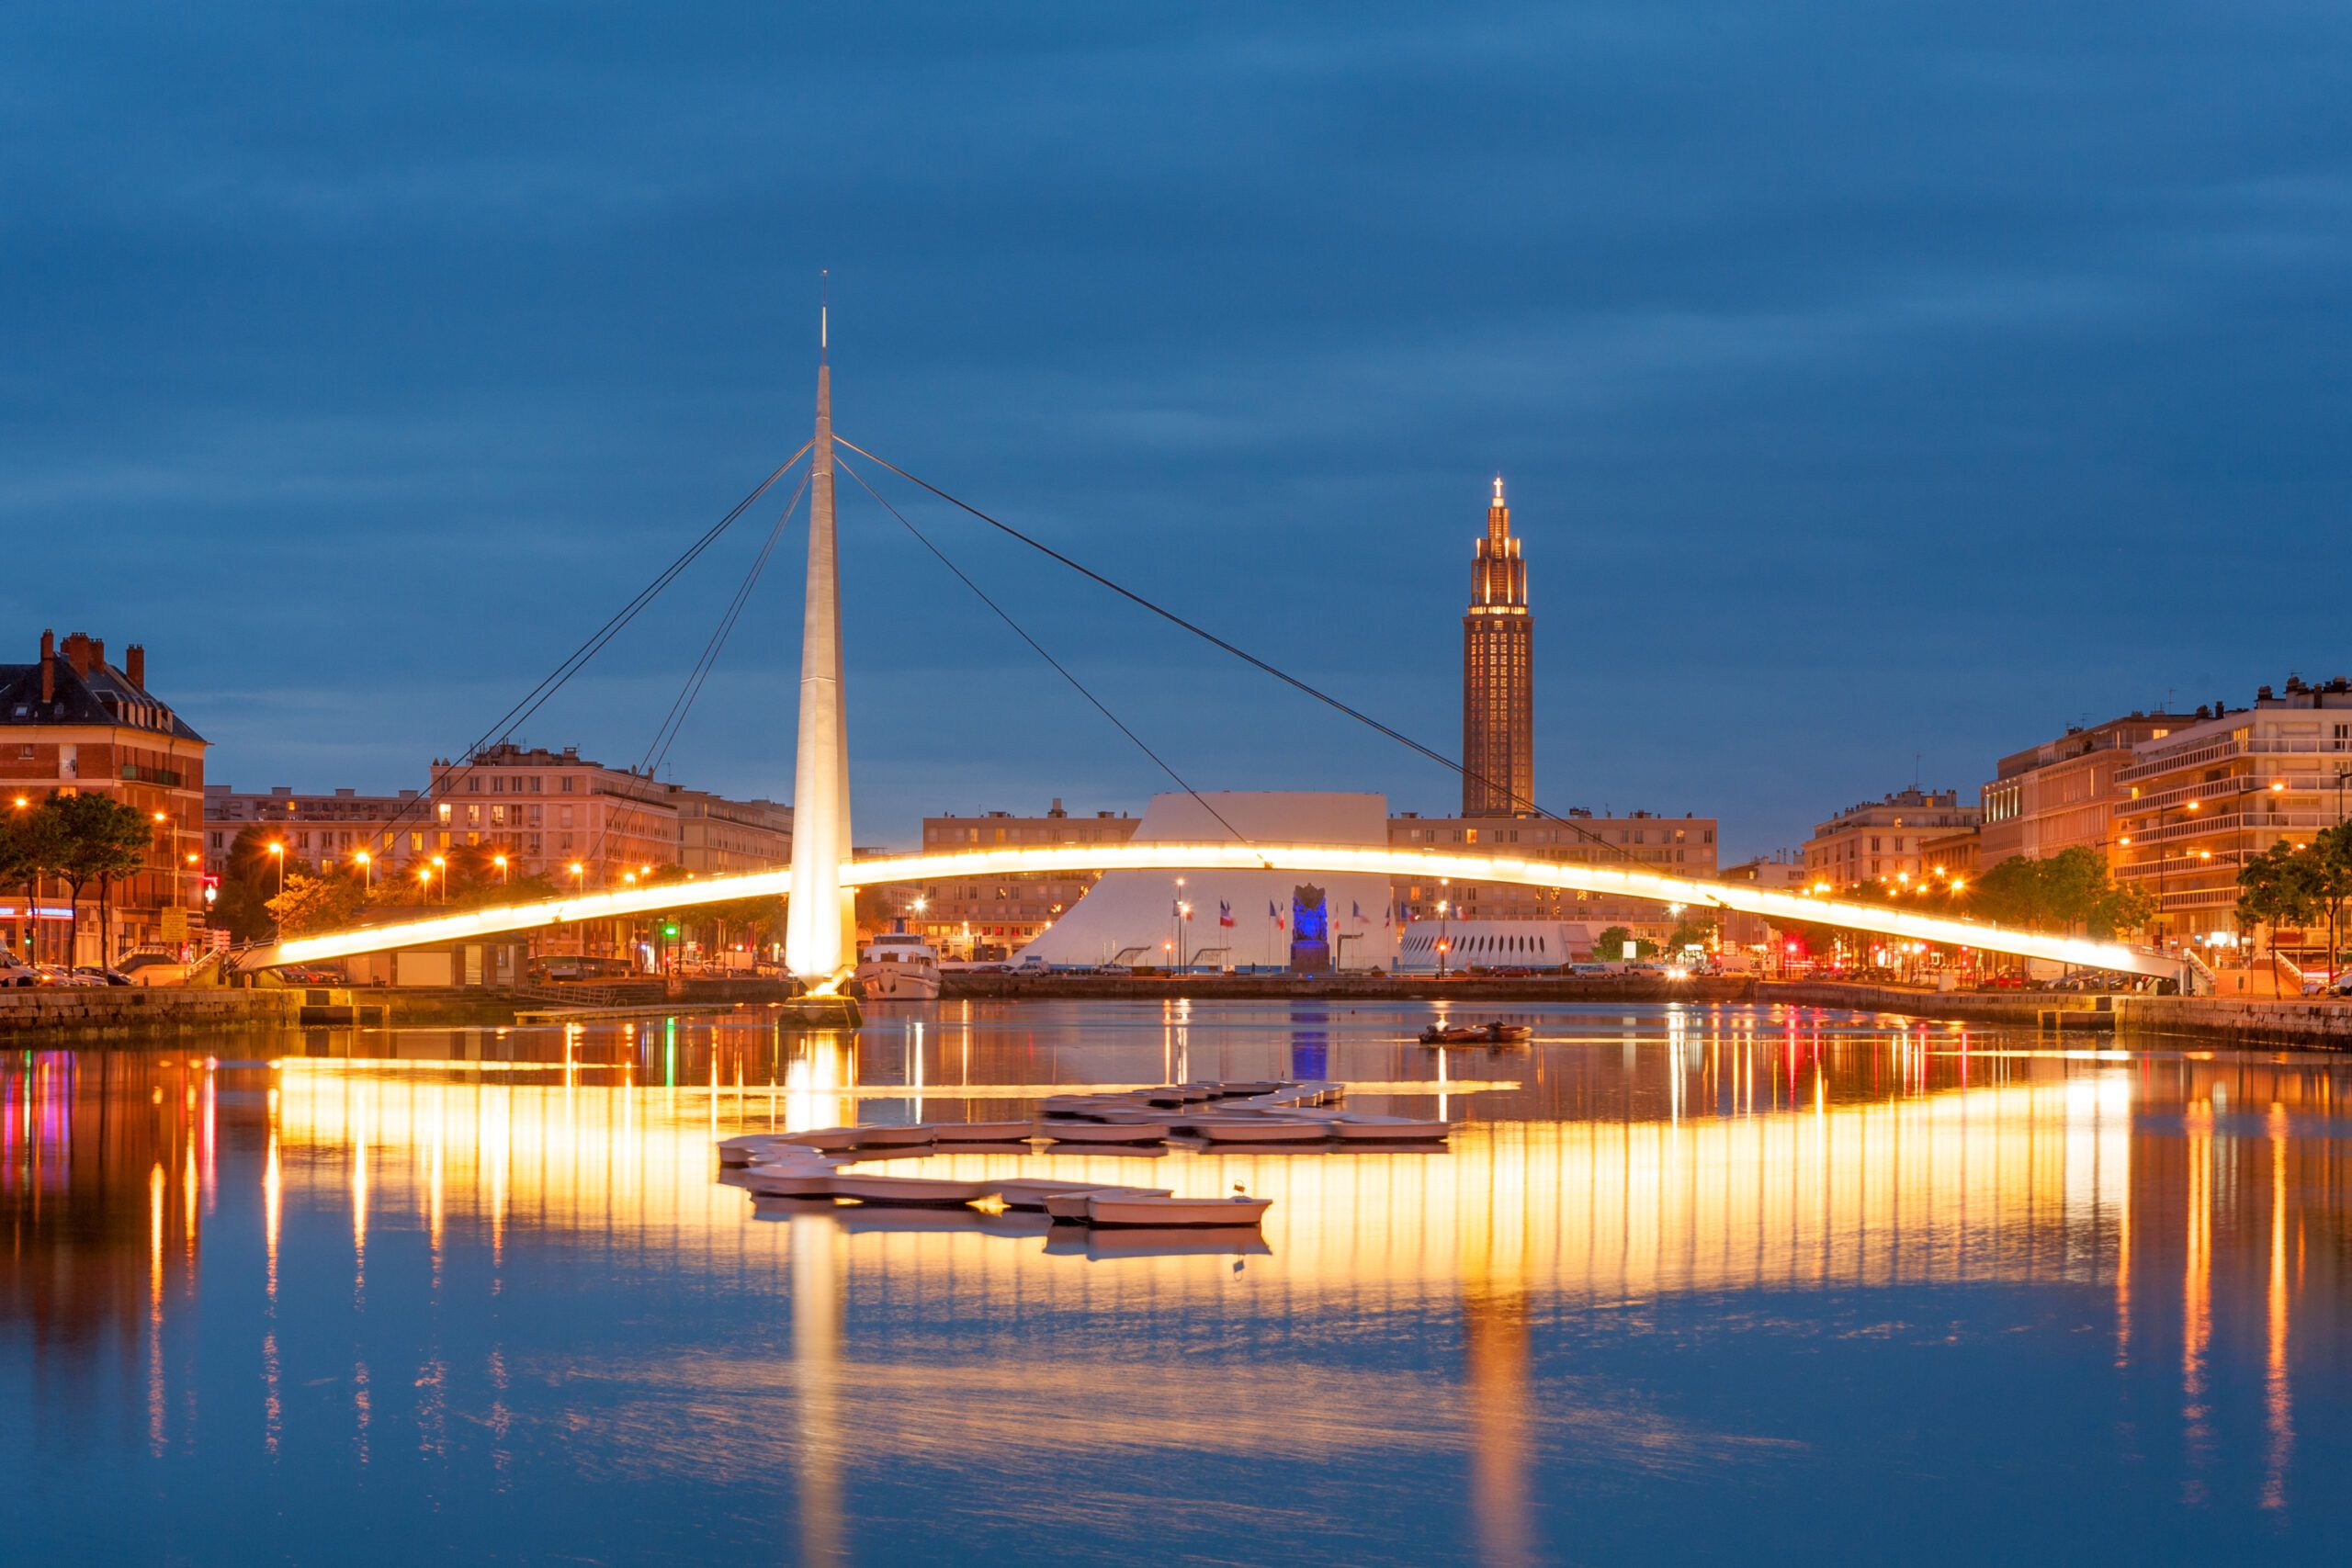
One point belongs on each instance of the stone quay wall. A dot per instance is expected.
(101, 1012)
(2251, 1021)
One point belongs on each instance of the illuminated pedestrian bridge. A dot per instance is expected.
(1317, 859)
(820, 927)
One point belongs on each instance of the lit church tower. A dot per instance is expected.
(1497, 676)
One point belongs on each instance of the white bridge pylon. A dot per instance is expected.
(1428, 865)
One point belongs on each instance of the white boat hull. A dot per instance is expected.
(919, 1192)
(896, 983)
(1107, 1132)
(1072, 1206)
(1258, 1130)
(1185, 1213)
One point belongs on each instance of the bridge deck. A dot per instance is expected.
(1325, 859)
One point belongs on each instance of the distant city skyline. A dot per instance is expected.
(1973, 398)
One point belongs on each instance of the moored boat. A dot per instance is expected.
(983, 1131)
(898, 966)
(1106, 1131)
(882, 1137)
(1358, 1129)
(764, 1183)
(1071, 1207)
(1113, 1210)
(919, 1192)
(1030, 1191)
(1255, 1128)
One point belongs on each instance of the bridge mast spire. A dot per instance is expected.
(821, 925)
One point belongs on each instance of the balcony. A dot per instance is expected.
(2322, 749)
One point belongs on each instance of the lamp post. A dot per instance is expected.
(440, 864)
(500, 861)
(1444, 945)
(367, 871)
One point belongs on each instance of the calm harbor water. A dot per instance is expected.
(1689, 1281)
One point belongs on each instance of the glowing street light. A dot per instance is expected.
(366, 869)
(500, 861)
(278, 853)
(441, 865)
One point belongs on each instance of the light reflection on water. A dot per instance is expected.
(477, 1295)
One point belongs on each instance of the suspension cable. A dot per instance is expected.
(553, 682)
(1059, 669)
(1243, 654)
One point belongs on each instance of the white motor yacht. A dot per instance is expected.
(898, 966)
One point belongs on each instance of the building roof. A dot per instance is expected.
(101, 695)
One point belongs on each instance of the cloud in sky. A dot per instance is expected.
(1870, 382)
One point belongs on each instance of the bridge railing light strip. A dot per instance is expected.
(1323, 859)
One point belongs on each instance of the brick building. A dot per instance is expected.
(72, 723)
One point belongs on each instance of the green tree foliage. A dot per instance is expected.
(249, 877)
(1689, 932)
(1608, 947)
(2290, 887)
(28, 851)
(315, 904)
(94, 839)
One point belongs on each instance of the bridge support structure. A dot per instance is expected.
(820, 922)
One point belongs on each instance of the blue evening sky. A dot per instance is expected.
(1872, 381)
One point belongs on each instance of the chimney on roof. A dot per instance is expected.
(134, 665)
(77, 652)
(49, 666)
(97, 653)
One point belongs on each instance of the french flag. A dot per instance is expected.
(1355, 911)
(1274, 914)
(1224, 913)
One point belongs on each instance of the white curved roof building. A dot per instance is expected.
(1239, 920)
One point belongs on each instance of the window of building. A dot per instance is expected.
(473, 784)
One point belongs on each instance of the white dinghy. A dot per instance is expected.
(1355, 1128)
(917, 1191)
(1108, 1132)
(1070, 1207)
(984, 1132)
(1133, 1211)
(787, 1182)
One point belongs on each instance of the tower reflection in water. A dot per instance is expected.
(1726, 1152)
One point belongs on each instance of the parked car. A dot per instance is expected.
(1512, 972)
(59, 975)
(104, 975)
(1592, 971)
(14, 971)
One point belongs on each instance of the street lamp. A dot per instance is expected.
(500, 861)
(278, 853)
(366, 870)
(442, 867)
(580, 874)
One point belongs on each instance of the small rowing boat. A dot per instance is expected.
(1106, 1131)
(1069, 1208)
(1358, 1129)
(1109, 1210)
(984, 1132)
(915, 1191)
